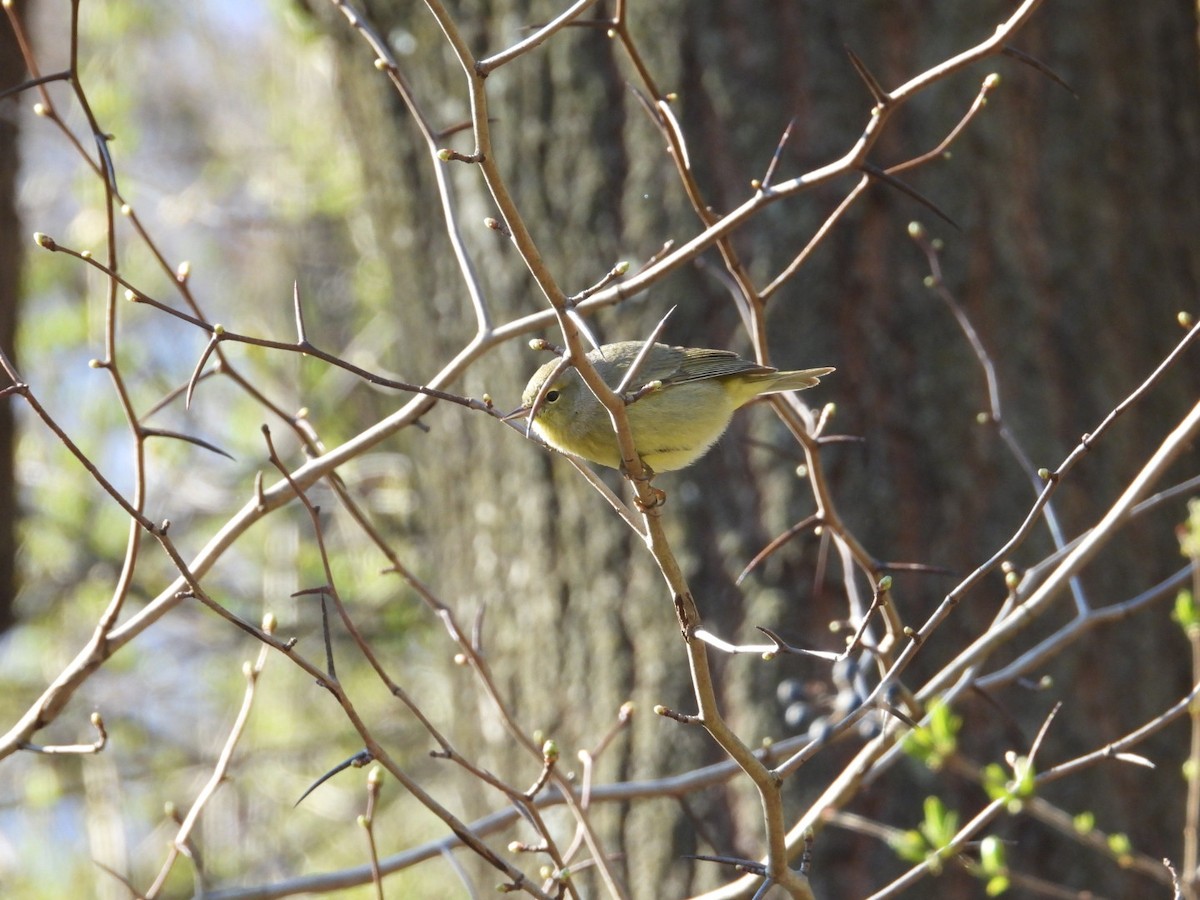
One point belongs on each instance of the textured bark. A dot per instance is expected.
(1078, 246)
(11, 72)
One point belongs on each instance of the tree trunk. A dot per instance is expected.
(1076, 248)
(11, 72)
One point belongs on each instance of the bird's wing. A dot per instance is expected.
(697, 365)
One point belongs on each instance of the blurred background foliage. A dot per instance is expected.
(228, 145)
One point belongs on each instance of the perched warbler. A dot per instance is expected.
(692, 394)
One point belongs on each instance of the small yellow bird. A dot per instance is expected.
(696, 394)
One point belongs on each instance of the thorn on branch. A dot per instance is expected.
(1035, 63)
(892, 710)
(782, 646)
(881, 97)
(162, 432)
(770, 173)
(751, 866)
(891, 180)
(924, 568)
(298, 310)
(767, 551)
(208, 350)
(34, 82)
(357, 761)
(110, 170)
(308, 592)
(459, 127)
(878, 601)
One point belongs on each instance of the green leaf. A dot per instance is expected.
(909, 846)
(937, 740)
(1119, 844)
(940, 824)
(997, 886)
(991, 855)
(1189, 531)
(1185, 612)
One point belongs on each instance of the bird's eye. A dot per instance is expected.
(551, 396)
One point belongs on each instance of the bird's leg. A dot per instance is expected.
(657, 497)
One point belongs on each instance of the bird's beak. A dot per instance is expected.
(515, 414)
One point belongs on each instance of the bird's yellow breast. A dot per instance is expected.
(667, 436)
